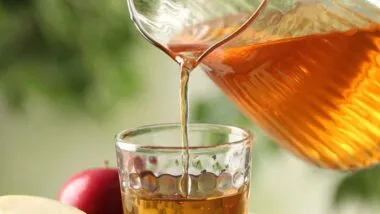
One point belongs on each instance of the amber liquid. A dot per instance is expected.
(317, 95)
(231, 204)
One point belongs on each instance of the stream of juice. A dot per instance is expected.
(187, 65)
(184, 114)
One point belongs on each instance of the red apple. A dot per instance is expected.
(94, 191)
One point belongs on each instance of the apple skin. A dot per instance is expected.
(94, 191)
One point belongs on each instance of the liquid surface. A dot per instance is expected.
(229, 204)
(317, 95)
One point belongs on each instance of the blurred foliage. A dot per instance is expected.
(73, 52)
(361, 185)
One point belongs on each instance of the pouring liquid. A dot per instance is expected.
(188, 63)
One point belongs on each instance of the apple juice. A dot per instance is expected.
(220, 202)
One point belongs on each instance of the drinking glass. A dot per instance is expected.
(152, 174)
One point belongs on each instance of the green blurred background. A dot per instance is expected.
(73, 73)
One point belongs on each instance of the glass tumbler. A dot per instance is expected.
(152, 172)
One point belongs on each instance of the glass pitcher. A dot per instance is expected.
(306, 71)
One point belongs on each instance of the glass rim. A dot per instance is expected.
(247, 136)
